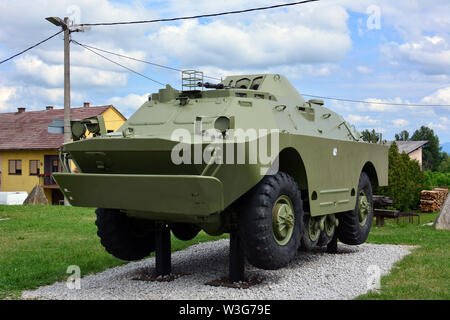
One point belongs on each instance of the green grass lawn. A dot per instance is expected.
(38, 243)
(425, 273)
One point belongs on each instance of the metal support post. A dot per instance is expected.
(332, 246)
(163, 252)
(237, 258)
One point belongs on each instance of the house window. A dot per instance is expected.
(55, 166)
(15, 167)
(34, 167)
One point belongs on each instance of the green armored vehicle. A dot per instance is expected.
(248, 156)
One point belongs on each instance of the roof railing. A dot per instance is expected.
(190, 80)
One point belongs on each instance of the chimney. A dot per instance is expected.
(86, 105)
(20, 110)
(49, 108)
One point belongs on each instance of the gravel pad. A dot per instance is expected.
(312, 275)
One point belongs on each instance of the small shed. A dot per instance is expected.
(412, 148)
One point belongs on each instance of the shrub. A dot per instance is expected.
(437, 179)
(406, 180)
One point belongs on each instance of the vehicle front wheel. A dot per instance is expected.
(123, 237)
(271, 221)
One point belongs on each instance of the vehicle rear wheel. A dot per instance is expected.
(354, 226)
(311, 233)
(326, 235)
(271, 221)
(123, 237)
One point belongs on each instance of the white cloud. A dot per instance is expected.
(422, 40)
(441, 96)
(259, 42)
(6, 95)
(130, 103)
(400, 123)
(33, 97)
(380, 105)
(441, 126)
(410, 18)
(430, 54)
(364, 70)
(81, 57)
(52, 75)
(365, 120)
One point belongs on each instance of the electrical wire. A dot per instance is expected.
(116, 63)
(143, 61)
(306, 95)
(199, 16)
(90, 48)
(34, 46)
(378, 103)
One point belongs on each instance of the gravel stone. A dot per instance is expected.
(311, 275)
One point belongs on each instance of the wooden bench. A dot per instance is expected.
(380, 213)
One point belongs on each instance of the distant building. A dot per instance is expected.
(412, 148)
(28, 152)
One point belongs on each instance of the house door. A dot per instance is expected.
(51, 165)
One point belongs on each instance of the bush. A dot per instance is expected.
(406, 180)
(437, 179)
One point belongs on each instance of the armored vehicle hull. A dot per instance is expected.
(250, 151)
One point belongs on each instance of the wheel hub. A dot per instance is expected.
(313, 229)
(363, 208)
(283, 220)
(330, 225)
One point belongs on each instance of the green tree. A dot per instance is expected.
(431, 151)
(406, 180)
(370, 136)
(402, 136)
(444, 166)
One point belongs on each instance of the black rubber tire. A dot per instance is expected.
(324, 239)
(350, 230)
(255, 222)
(184, 231)
(123, 237)
(307, 244)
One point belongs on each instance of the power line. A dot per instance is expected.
(199, 16)
(378, 103)
(116, 63)
(34, 46)
(131, 58)
(306, 95)
(143, 61)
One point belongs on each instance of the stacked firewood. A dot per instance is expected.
(432, 201)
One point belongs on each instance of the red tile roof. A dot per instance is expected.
(29, 130)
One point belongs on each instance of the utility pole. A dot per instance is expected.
(67, 127)
(66, 25)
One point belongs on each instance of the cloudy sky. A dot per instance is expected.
(370, 50)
